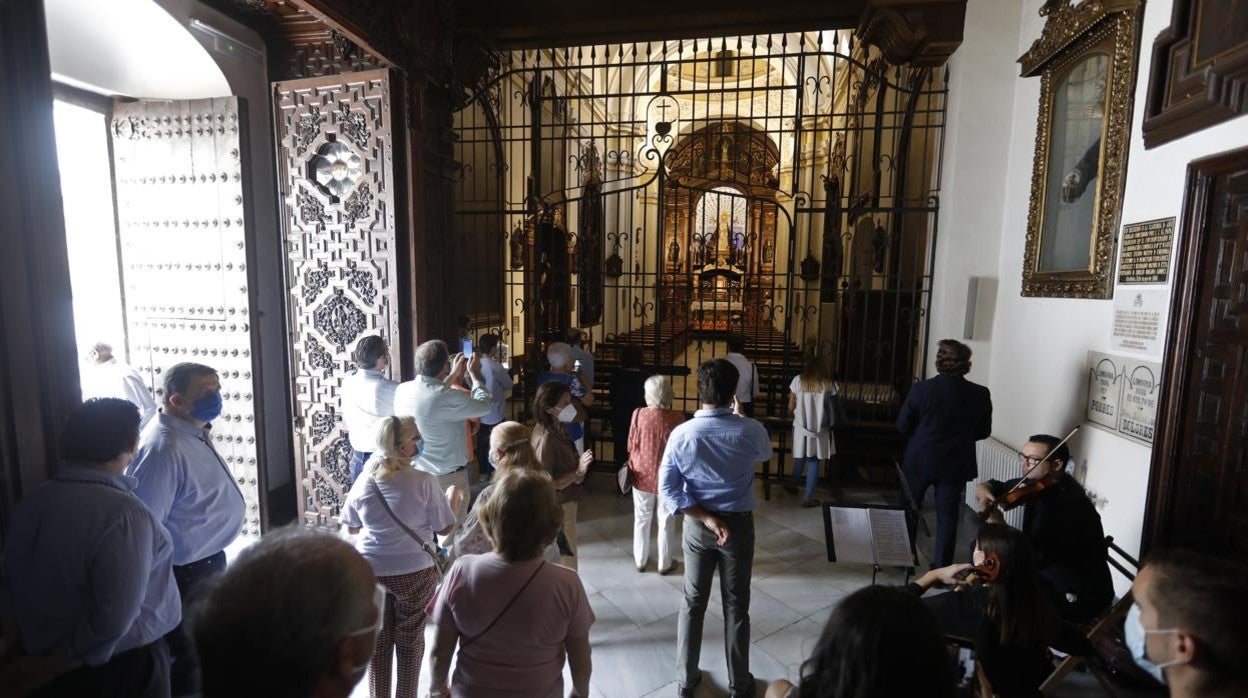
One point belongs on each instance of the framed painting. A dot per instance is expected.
(1086, 60)
(1199, 74)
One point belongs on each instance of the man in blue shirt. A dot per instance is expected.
(88, 568)
(186, 484)
(497, 382)
(707, 473)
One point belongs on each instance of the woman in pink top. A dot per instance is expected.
(514, 616)
(647, 437)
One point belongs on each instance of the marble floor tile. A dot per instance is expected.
(646, 599)
(609, 619)
(791, 644)
(767, 615)
(791, 546)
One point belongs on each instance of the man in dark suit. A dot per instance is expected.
(942, 418)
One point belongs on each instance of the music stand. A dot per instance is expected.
(870, 537)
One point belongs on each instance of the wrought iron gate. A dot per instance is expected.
(666, 195)
(335, 143)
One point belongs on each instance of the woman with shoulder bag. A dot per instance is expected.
(812, 402)
(553, 407)
(399, 509)
(513, 617)
(647, 437)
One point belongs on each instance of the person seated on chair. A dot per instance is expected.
(1187, 627)
(1008, 618)
(879, 641)
(1064, 529)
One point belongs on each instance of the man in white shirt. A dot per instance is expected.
(576, 340)
(747, 380)
(367, 396)
(498, 382)
(105, 376)
(442, 412)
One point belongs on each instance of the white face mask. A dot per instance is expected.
(567, 414)
(1137, 637)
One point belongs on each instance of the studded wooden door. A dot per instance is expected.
(181, 203)
(336, 178)
(1199, 488)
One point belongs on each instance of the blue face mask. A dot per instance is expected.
(207, 408)
(1137, 637)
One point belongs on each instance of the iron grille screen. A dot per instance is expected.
(668, 195)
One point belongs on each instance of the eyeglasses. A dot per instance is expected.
(1031, 460)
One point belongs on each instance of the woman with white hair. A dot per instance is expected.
(559, 356)
(647, 438)
(394, 504)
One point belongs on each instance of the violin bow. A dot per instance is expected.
(1048, 453)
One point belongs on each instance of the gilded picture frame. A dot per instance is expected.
(1086, 60)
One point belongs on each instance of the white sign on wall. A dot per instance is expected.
(1104, 389)
(1123, 394)
(1140, 320)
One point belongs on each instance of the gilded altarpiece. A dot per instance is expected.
(336, 179)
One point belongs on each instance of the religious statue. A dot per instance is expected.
(673, 251)
(517, 248)
(769, 252)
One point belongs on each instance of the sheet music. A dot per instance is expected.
(890, 537)
(851, 530)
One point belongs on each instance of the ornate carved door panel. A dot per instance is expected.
(336, 180)
(181, 198)
(1198, 494)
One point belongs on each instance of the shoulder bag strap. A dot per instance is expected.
(424, 544)
(470, 640)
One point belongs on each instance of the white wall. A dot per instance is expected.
(128, 47)
(1035, 360)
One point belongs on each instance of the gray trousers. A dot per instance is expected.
(735, 562)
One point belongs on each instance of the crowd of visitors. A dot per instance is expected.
(116, 581)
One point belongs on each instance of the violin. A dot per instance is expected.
(1026, 490)
(1023, 493)
(984, 573)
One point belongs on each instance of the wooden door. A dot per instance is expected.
(182, 198)
(1198, 491)
(336, 179)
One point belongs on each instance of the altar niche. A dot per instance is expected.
(719, 229)
(667, 195)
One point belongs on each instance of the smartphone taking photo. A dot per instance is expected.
(465, 347)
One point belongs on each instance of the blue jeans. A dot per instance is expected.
(358, 458)
(811, 466)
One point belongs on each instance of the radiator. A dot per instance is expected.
(997, 461)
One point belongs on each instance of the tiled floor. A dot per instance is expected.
(794, 590)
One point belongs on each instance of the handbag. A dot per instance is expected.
(625, 478)
(625, 475)
(439, 562)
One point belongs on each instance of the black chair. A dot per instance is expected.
(1080, 652)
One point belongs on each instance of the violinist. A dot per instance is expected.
(1000, 608)
(1062, 525)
